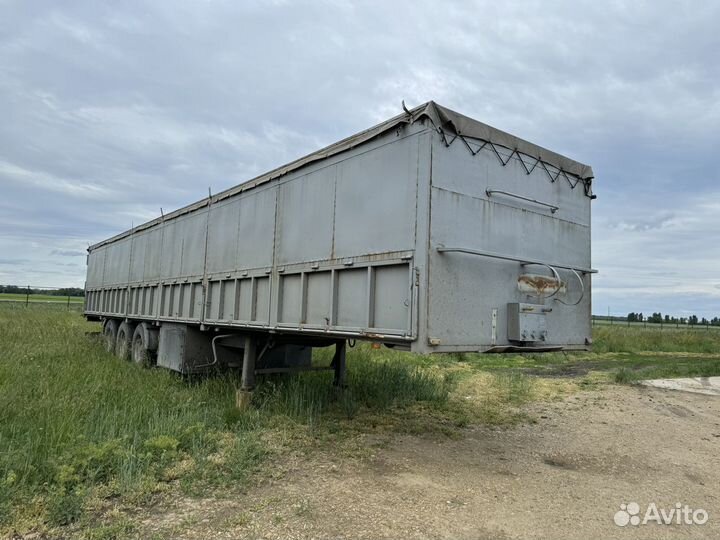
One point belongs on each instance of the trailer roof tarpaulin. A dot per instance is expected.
(450, 124)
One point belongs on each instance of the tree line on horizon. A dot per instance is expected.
(659, 318)
(19, 289)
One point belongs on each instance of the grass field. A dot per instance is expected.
(86, 438)
(655, 326)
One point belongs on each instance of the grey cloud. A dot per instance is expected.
(113, 110)
(68, 253)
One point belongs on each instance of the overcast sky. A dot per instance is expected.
(111, 110)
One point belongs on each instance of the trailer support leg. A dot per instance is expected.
(338, 362)
(247, 383)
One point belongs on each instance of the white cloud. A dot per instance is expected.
(111, 111)
(47, 182)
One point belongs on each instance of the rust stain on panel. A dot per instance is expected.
(540, 285)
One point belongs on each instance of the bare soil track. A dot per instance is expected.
(563, 476)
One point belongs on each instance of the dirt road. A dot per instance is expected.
(564, 476)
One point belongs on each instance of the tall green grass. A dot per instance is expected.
(73, 417)
(78, 424)
(378, 381)
(513, 386)
(633, 339)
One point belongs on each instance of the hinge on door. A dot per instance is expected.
(493, 337)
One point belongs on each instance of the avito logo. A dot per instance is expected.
(680, 514)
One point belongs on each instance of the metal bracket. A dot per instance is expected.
(582, 291)
(443, 249)
(552, 207)
(493, 335)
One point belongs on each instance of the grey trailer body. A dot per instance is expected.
(431, 232)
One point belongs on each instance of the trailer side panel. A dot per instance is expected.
(327, 249)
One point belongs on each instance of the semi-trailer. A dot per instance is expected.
(430, 232)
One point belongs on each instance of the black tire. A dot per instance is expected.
(142, 352)
(123, 344)
(110, 330)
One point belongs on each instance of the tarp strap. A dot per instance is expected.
(572, 180)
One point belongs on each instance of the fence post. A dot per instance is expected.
(27, 296)
(68, 303)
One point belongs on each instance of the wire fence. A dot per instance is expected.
(47, 296)
(663, 325)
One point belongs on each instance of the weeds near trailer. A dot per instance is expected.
(382, 393)
(515, 387)
(623, 375)
(80, 428)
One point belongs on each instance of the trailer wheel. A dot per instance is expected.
(124, 340)
(110, 330)
(144, 345)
